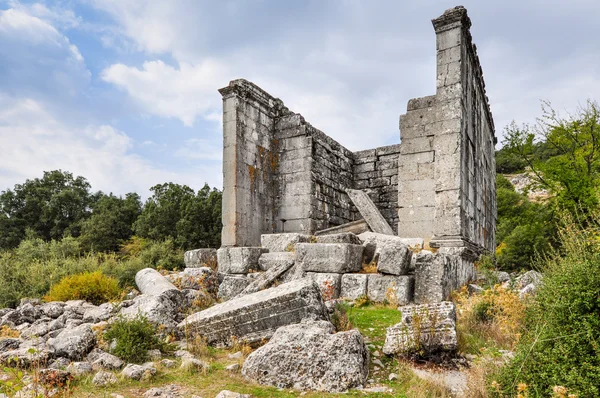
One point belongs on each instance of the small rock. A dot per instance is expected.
(54, 377)
(376, 389)
(138, 372)
(231, 394)
(392, 377)
(376, 354)
(378, 363)
(236, 355)
(154, 355)
(167, 363)
(168, 391)
(191, 364)
(104, 360)
(80, 368)
(115, 395)
(103, 378)
(234, 367)
(59, 363)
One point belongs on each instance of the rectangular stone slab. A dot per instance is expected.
(340, 258)
(199, 257)
(356, 227)
(239, 260)
(369, 211)
(254, 317)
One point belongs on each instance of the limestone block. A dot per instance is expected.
(270, 260)
(329, 257)
(369, 211)
(428, 327)
(354, 286)
(238, 260)
(396, 289)
(390, 253)
(435, 274)
(344, 237)
(232, 285)
(329, 283)
(356, 227)
(265, 279)
(257, 316)
(199, 257)
(282, 242)
(149, 281)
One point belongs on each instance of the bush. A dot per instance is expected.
(133, 338)
(560, 344)
(94, 287)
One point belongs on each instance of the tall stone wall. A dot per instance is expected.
(447, 168)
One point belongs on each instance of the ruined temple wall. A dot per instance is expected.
(376, 172)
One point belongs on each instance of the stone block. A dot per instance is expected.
(329, 283)
(238, 260)
(199, 257)
(329, 257)
(232, 285)
(354, 286)
(426, 327)
(369, 211)
(344, 237)
(274, 259)
(396, 289)
(435, 274)
(356, 227)
(282, 242)
(266, 279)
(391, 253)
(257, 316)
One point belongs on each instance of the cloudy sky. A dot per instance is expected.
(125, 92)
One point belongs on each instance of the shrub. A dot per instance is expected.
(133, 338)
(560, 345)
(94, 287)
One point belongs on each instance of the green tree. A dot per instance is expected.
(51, 207)
(175, 212)
(111, 222)
(568, 162)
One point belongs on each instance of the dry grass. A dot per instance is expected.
(7, 332)
(370, 268)
(477, 376)
(418, 387)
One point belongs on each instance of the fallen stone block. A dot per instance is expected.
(345, 237)
(275, 259)
(310, 356)
(329, 283)
(369, 211)
(283, 242)
(239, 260)
(149, 281)
(329, 257)
(398, 290)
(199, 257)
(233, 285)
(435, 274)
(265, 279)
(354, 286)
(160, 310)
(254, 317)
(356, 227)
(392, 253)
(73, 343)
(424, 329)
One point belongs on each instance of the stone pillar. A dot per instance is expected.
(248, 122)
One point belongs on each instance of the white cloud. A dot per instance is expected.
(54, 15)
(184, 93)
(33, 141)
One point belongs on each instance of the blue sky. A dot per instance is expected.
(125, 92)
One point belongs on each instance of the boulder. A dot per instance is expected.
(137, 372)
(103, 378)
(38, 329)
(310, 356)
(25, 356)
(271, 260)
(285, 242)
(9, 343)
(239, 260)
(199, 257)
(391, 253)
(53, 309)
(257, 316)
(329, 257)
(54, 377)
(329, 283)
(397, 290)
(233, 285)
(73, 343)
(424, 329)
(160, 310)
(353, 286)
(79, 368)
(528, 278)
(100, 313)
(103, 360)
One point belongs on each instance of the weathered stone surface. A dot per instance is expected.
(231, 394)
(79, 368)
(137, 372)
(150, 282)
(394, 289)
(53, 309)
(103, 360)
(57, 377)
(356, 227)
(239, 260)
(285, 242)
(369, 211)
(160, 310)
(73, 343)
(104, 378)
(425, 327)
(329, 257)
(265, 279)
(256, 316)
(529, 277)
(391, 253)
(275, 259)
(436, 275)
(232, 285)
(343, 237)
(310, 356)
(9, 343)
(98, 314)
(199, 257)
(329, 283)
(354, 286)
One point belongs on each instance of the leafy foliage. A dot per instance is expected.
(133, 338)
(560, 344)
(94, 287)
